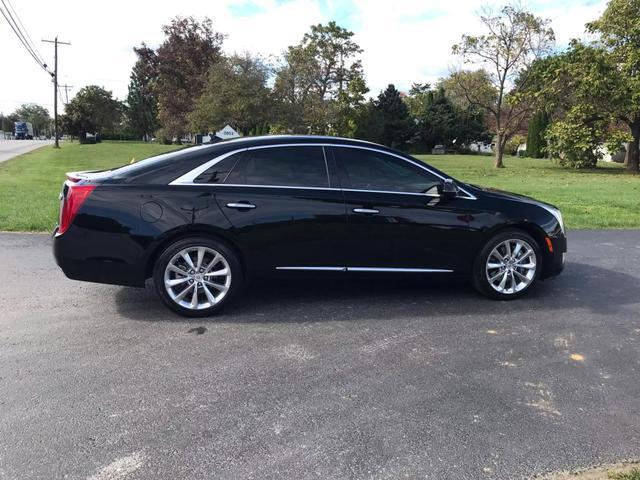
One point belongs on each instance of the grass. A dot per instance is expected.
(30, 183)
(604, 197)
(632, 475)
(620, 471)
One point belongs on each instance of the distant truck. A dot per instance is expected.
(23, 130)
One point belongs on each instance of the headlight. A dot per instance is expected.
(556, 213)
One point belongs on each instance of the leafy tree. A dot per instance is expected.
(575, 139)
(142, 104)
(419, 98)
(6, 123)
(92, 110)
(184, 58)
(236, 93)
(369, 123)
(619, 31)
(582, 91)
(321, 82)
(535, 135)
(393, 114)
(514, 39)
(439, 121)
(37, 115)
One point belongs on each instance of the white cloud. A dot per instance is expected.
(405, 41)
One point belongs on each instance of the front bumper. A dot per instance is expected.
(554, 261)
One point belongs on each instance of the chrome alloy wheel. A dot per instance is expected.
(197, 277)
(511, 266)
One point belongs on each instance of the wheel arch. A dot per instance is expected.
(195, 230)
(535, 231)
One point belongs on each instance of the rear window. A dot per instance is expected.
(218, 172)
(282, 166)
(155, 161)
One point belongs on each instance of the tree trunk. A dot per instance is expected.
(632, 158)
(499, 152)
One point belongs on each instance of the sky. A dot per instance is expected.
(404, 41)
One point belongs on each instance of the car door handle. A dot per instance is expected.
(241, 205)
(366, 211)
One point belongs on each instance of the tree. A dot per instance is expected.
(321, 82)
(37, 115)
(619, 30)
(236, 93)
(396, 124)
(369, 124)
(439, 121)
(535, 135)
(583, 93)
(514, 39)
(142, 104)
(184, 58)
(92, 110)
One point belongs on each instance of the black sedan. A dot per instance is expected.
(203, 220)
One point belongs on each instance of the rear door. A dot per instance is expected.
(287, 211)
(396, 216)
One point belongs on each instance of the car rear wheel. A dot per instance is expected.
(197, 276)
(507, 266)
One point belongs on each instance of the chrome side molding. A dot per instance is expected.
(369, 269)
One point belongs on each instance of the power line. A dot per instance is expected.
(26, 32)
(16, 29)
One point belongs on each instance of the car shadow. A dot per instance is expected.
(334, 298)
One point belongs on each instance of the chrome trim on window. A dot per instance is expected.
(189, 177)
(369, 269)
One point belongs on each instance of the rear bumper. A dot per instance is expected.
(92, 269)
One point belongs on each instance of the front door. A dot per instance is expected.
(396, 217)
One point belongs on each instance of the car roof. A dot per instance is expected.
(283, 139)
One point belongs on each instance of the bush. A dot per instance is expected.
(575, 145)
(123, 137)
(511, 147)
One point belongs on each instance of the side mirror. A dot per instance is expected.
(449, 188)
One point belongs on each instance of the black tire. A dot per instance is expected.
(214, 245)
(480, 280)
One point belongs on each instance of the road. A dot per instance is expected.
(13, 148)
(320, 379)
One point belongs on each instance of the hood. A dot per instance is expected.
(501, 194)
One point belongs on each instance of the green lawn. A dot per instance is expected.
(30, 183)
(605, 197)
(602, 198)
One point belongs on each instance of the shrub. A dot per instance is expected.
(511, 147)
(574, 145)
(535, 135)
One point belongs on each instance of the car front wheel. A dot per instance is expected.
(507, 266)
(196, 276)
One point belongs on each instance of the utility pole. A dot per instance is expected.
(66, 92)
(55, 85)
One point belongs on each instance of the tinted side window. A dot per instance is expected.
(218, 172)
(369, 170)
(282, 166)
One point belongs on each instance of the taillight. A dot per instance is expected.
(71, 203)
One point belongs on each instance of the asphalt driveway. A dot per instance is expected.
(320, 379)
